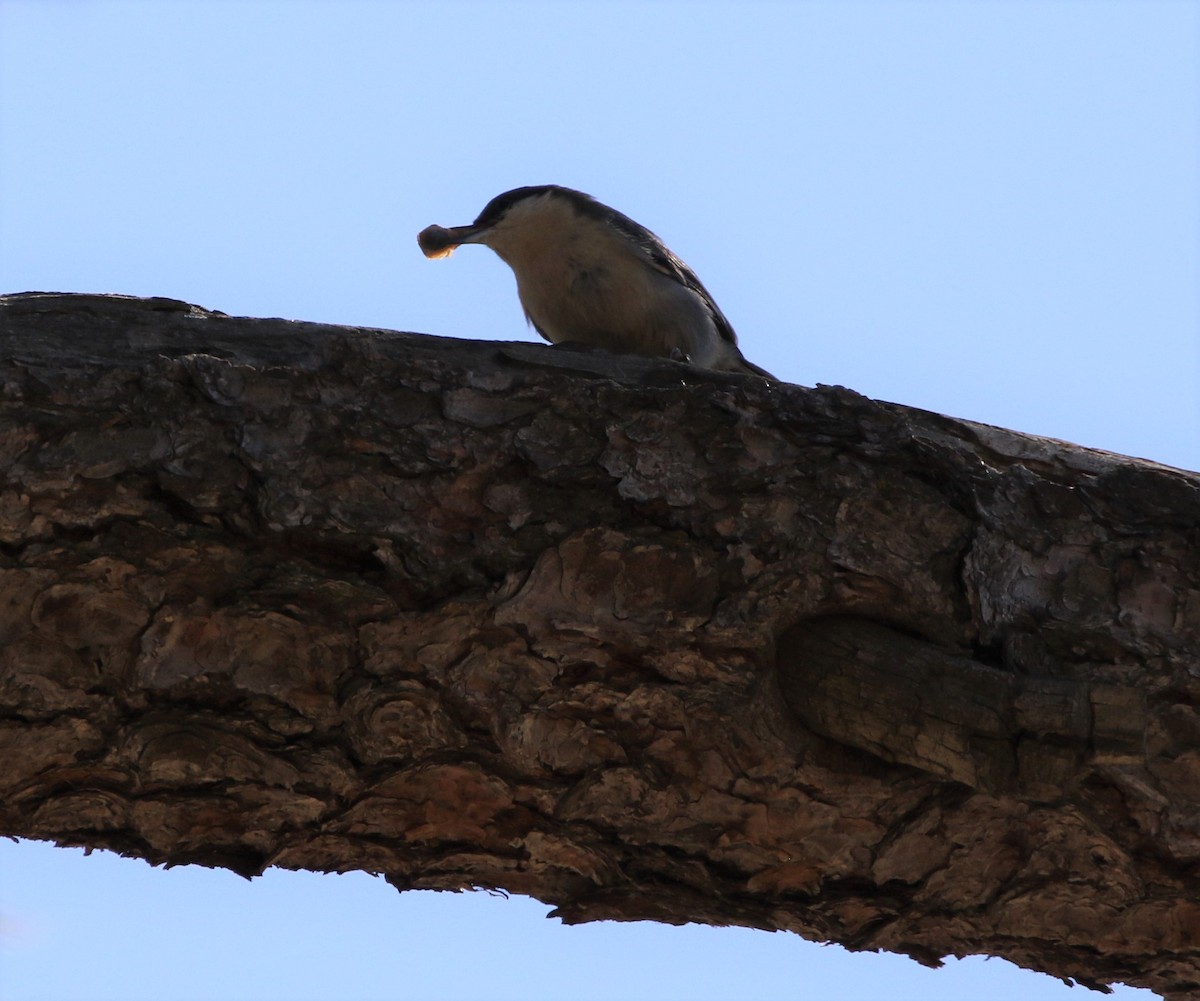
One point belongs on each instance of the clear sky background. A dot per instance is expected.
(986, 208)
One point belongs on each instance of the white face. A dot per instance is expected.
(528, 225)
(534, 227)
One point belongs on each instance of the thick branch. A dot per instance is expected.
(636, 639)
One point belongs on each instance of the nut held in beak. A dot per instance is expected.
(436, 241)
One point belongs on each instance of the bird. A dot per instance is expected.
(589, 275)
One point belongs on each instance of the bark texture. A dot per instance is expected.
(638, 640)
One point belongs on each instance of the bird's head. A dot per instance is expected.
(513, 221)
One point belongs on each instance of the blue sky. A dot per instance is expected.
(985, 208)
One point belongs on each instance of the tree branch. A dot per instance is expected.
(636, 639)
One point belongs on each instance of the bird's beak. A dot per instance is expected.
(438, 241)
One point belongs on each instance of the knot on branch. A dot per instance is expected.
(906, 700)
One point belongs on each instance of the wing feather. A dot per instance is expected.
(655, 253)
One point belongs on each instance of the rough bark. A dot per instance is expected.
(637, 640)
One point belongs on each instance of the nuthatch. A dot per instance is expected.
(590, 275)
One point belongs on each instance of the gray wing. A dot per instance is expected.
(658, 257)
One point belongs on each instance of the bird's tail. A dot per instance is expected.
(752, 369)
(734, 361)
